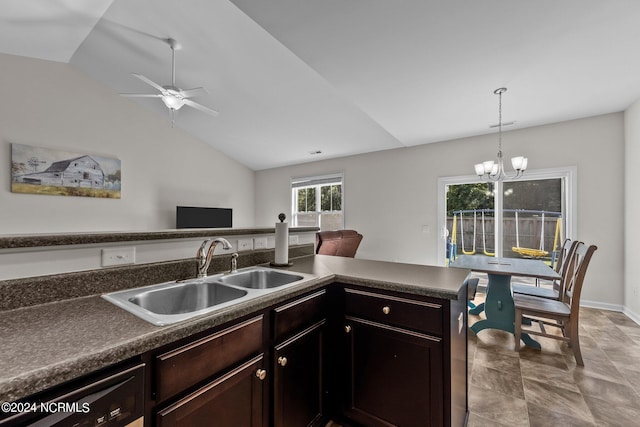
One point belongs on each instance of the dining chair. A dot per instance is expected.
(565, 312)
(553, 292)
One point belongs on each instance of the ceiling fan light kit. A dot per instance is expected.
(173, 101)
(172, 96)
(494, 170)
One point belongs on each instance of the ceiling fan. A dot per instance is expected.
(173, 97)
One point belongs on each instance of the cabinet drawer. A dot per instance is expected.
(299, 313)
(391, 310)
(235, 399)
(183, 367)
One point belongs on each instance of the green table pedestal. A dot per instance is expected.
(499, 309)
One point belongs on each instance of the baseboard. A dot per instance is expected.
(631, 315)
(612, 307)
(601, 305)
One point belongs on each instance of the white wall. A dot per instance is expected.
(52, 105)
(391, 196)
(632, 210)
(19, 263)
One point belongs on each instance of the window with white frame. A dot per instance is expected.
(318, 201)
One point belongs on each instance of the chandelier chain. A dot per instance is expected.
(499, 92)
(500, 121)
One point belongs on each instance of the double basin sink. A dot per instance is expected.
(171, 302)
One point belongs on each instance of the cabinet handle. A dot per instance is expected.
(347, 328)
(261, 374)
(282, 361)
(386, 309)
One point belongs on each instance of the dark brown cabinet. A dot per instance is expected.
(218, 379)
(398, 366)
(235, 399)
(393, 376)
(298, 379)
(178, 369)
(298, 361)
(365, 357)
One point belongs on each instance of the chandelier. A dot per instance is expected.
(494, 170)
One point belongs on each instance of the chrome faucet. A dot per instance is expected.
(205, 259)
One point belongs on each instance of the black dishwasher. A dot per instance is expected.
(112, 398)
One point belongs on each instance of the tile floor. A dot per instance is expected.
(546, 388)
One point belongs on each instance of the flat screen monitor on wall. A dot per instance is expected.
(199, 217)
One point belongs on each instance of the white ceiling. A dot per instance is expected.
(294, 76)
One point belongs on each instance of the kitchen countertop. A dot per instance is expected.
(46, 345)
(13, 241)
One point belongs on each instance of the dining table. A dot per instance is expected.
(498, 305)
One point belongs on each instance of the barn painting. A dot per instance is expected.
(37, 170)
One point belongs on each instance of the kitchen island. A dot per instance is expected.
(49, 344)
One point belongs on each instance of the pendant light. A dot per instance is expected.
(494, 170)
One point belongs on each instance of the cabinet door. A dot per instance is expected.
(297, 378)
(394, 377)
(235, 399)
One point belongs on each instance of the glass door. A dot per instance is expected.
(470, 219)
(533, 221)
(527, 217)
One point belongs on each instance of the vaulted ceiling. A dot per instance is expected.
(292, 77)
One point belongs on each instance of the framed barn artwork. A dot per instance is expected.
(37, 170)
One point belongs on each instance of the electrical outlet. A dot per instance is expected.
(293, 240)
(118, 256)
(245, 244)
(260, 243)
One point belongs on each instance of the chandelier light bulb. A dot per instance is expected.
(519, 163)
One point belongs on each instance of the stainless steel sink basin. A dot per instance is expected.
(260, 279)
(188, 298)
(172, 302)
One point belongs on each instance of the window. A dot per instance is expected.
(526, 217)
(318, 202)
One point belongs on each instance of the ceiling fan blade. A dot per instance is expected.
(142, 95)
(202, 108)
(149, 82)
(196, 91)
